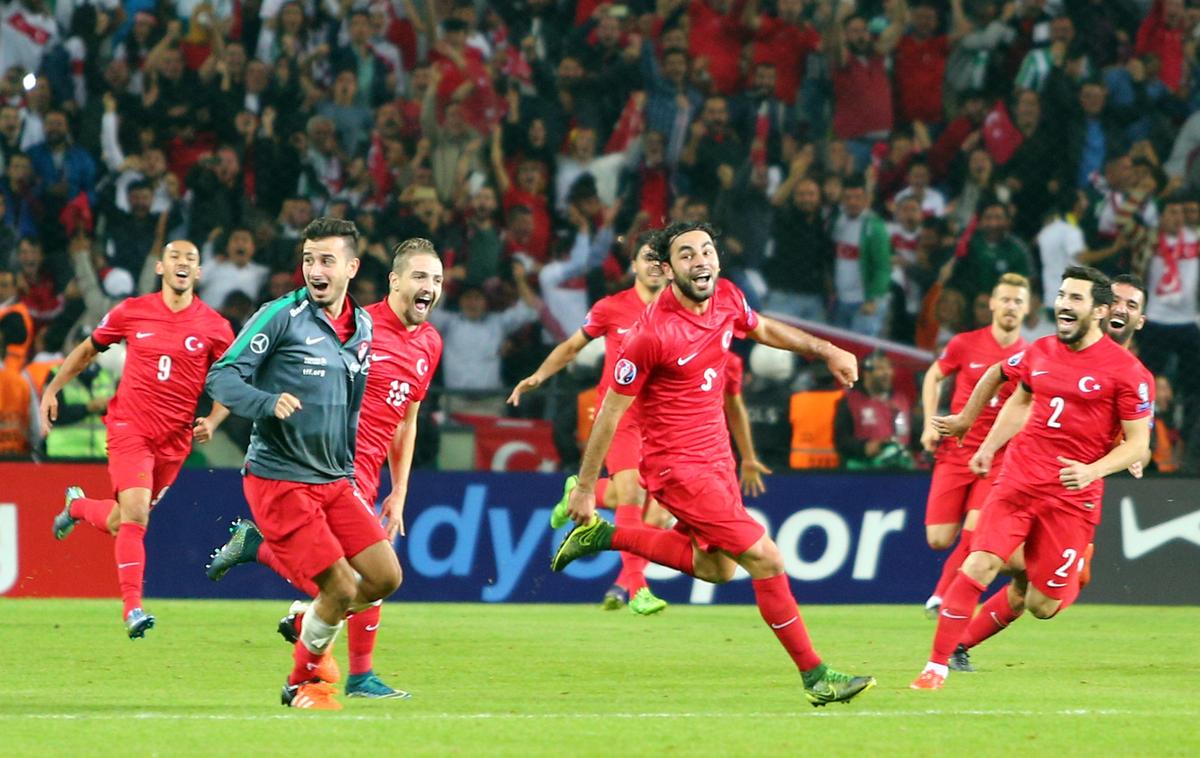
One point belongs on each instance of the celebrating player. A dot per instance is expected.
(1074, 388)
(307, 354)
(956, 493)
(1006, 605)
(673, 359)
(172, 338)
(404, 357)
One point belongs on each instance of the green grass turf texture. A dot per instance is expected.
(526, 680)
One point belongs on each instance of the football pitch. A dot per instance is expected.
(562, 680)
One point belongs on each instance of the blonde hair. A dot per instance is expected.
(1013, 280)
(408, 248)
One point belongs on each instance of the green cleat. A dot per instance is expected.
(242, 547)
(592, 537)
(64, 522)
(369, 685)
(615, 598)
(644, 603)
(558, 516)
(835, 687)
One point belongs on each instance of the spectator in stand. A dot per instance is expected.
(64, 170)
(27, 32)
(670, 98)
(961, 135)
(351, 119)
(36, 283)
(979, 183)
(1033, 171)
(711, 144)
(1060, 243)
(906, 289)
(863, 262)
(785, 40)
(799, 267)
(974, 58)
(130, 235)
(234, 270)
(23, 209)
(990, 252)
(932, 202)
(872, 427)
(528, 193)
(1040, 61)
(919, 64)
(216, 193)
(1163, 33)
(581, 158)
(375, 82)
(715, 40)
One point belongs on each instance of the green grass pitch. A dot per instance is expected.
(526, 680)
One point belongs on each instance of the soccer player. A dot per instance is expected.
(956, 493)
(1077, 390)
(404, 357)
(172, 339)
(307, 356)
(1126, 317)
(612, 318)
(673, 360)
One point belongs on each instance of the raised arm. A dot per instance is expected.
(897, 19)
(562, 354)
(842, 364)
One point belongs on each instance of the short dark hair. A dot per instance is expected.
(141, 184)
(326, 227)
(662, 244)
(857, 181)
(1135, 281)
(1101, 284)
(648, 237)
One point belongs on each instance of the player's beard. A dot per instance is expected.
(689, 290)
(1123, 335)
(414, 316)
(1083, 324)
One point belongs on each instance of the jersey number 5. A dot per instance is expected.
(710, 376)
(164, 368)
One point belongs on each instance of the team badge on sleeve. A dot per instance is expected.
(1143, 392)
(1016, 359)
(624, 372)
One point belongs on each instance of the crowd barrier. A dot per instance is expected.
(483, 537)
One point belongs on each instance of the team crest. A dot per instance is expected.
(624, 372)
(363, 348)
(1016, 359)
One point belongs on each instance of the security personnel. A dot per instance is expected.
(79, 432)
(16, 325)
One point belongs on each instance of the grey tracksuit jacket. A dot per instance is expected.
(289, 345)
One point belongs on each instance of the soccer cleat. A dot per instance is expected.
(1085, 573)
(289, 628)
(242, 547)
(137, 622)
(64, 522)
(615, 598)
(558, 516)
(316, 696)
(836, 687)
(644, 603)
(592, 537)
(370, 685)
(328, 670)
(960, 660)
(928, 680)
(932, 606)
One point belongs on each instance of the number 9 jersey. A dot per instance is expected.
(166, 361)
(402, 364)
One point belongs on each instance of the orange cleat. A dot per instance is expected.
(327, 670)
(316, 696)
(928, 680)
(1085, 573)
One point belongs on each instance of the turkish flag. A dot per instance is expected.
(510, 444)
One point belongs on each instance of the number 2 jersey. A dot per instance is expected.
(402, 366)
(167, 358)
(1079, 401)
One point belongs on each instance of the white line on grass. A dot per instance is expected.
(1001, 713)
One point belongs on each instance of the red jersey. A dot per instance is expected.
(402, 365)
(735, 369)
(612, 318)
(969, 355)
(675, 360)
(788, 47)
(166, 362)
(1079, 401)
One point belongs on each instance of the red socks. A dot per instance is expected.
(306, 663)
(957, 607)
(130, 553)
(778, 608)
(93, 511)
(363, 626)
(633, 567)
(267, 558)
(601, 488)
(665, 547)
(995, 615)
(954, 562)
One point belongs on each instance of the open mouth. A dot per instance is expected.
(422, 303)
(182, 274)
(319, 287)
(1117, 322)
(1066, 319)
(702, 279)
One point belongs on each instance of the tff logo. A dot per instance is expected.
(624, 372)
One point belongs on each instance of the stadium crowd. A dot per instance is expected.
(873, 166)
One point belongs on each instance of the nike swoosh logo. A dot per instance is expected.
(1052, 583)
(1136, 542)
(977, 365)
(377, 357)
(997, 620)
(371, 627)
(623, 331)
(950, 615)
(311, 666)
(127, 565)
(313, 340)
(786, 623)
(1039, 373)
(144, 335)
(685, 361)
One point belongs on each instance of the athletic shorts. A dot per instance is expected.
(1055, 537)
(138, 461)
(310, 526)
(707, 503)
(625, 452)
(954, 491)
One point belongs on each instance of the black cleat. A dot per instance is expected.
(960, 660)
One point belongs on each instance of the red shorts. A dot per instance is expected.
(707, 503)
(310, 526)
(1055, 537)
(137, 461)
(954, 491)
(625, 452)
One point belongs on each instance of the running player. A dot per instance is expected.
(1007, 604)
(404, 357)
(612, 318)
(1078, 389)
(307, 354)
(673, 361)
(956, 493)
(172, 339)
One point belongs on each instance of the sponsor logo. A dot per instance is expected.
(127, 565)
(1088, 384)
(317, 361)
(193, 344)
(624, 331)
(1039, 373)
(1052, 583)
(688, 359)
(259, 343)
(950, 615)
(298, 309)
(1136, 542)
(973, 364)
(377, 357)
(625, 372)
(144, 335)
(785, 624)
(370, 627)
(313, 340)
(1016, 360)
